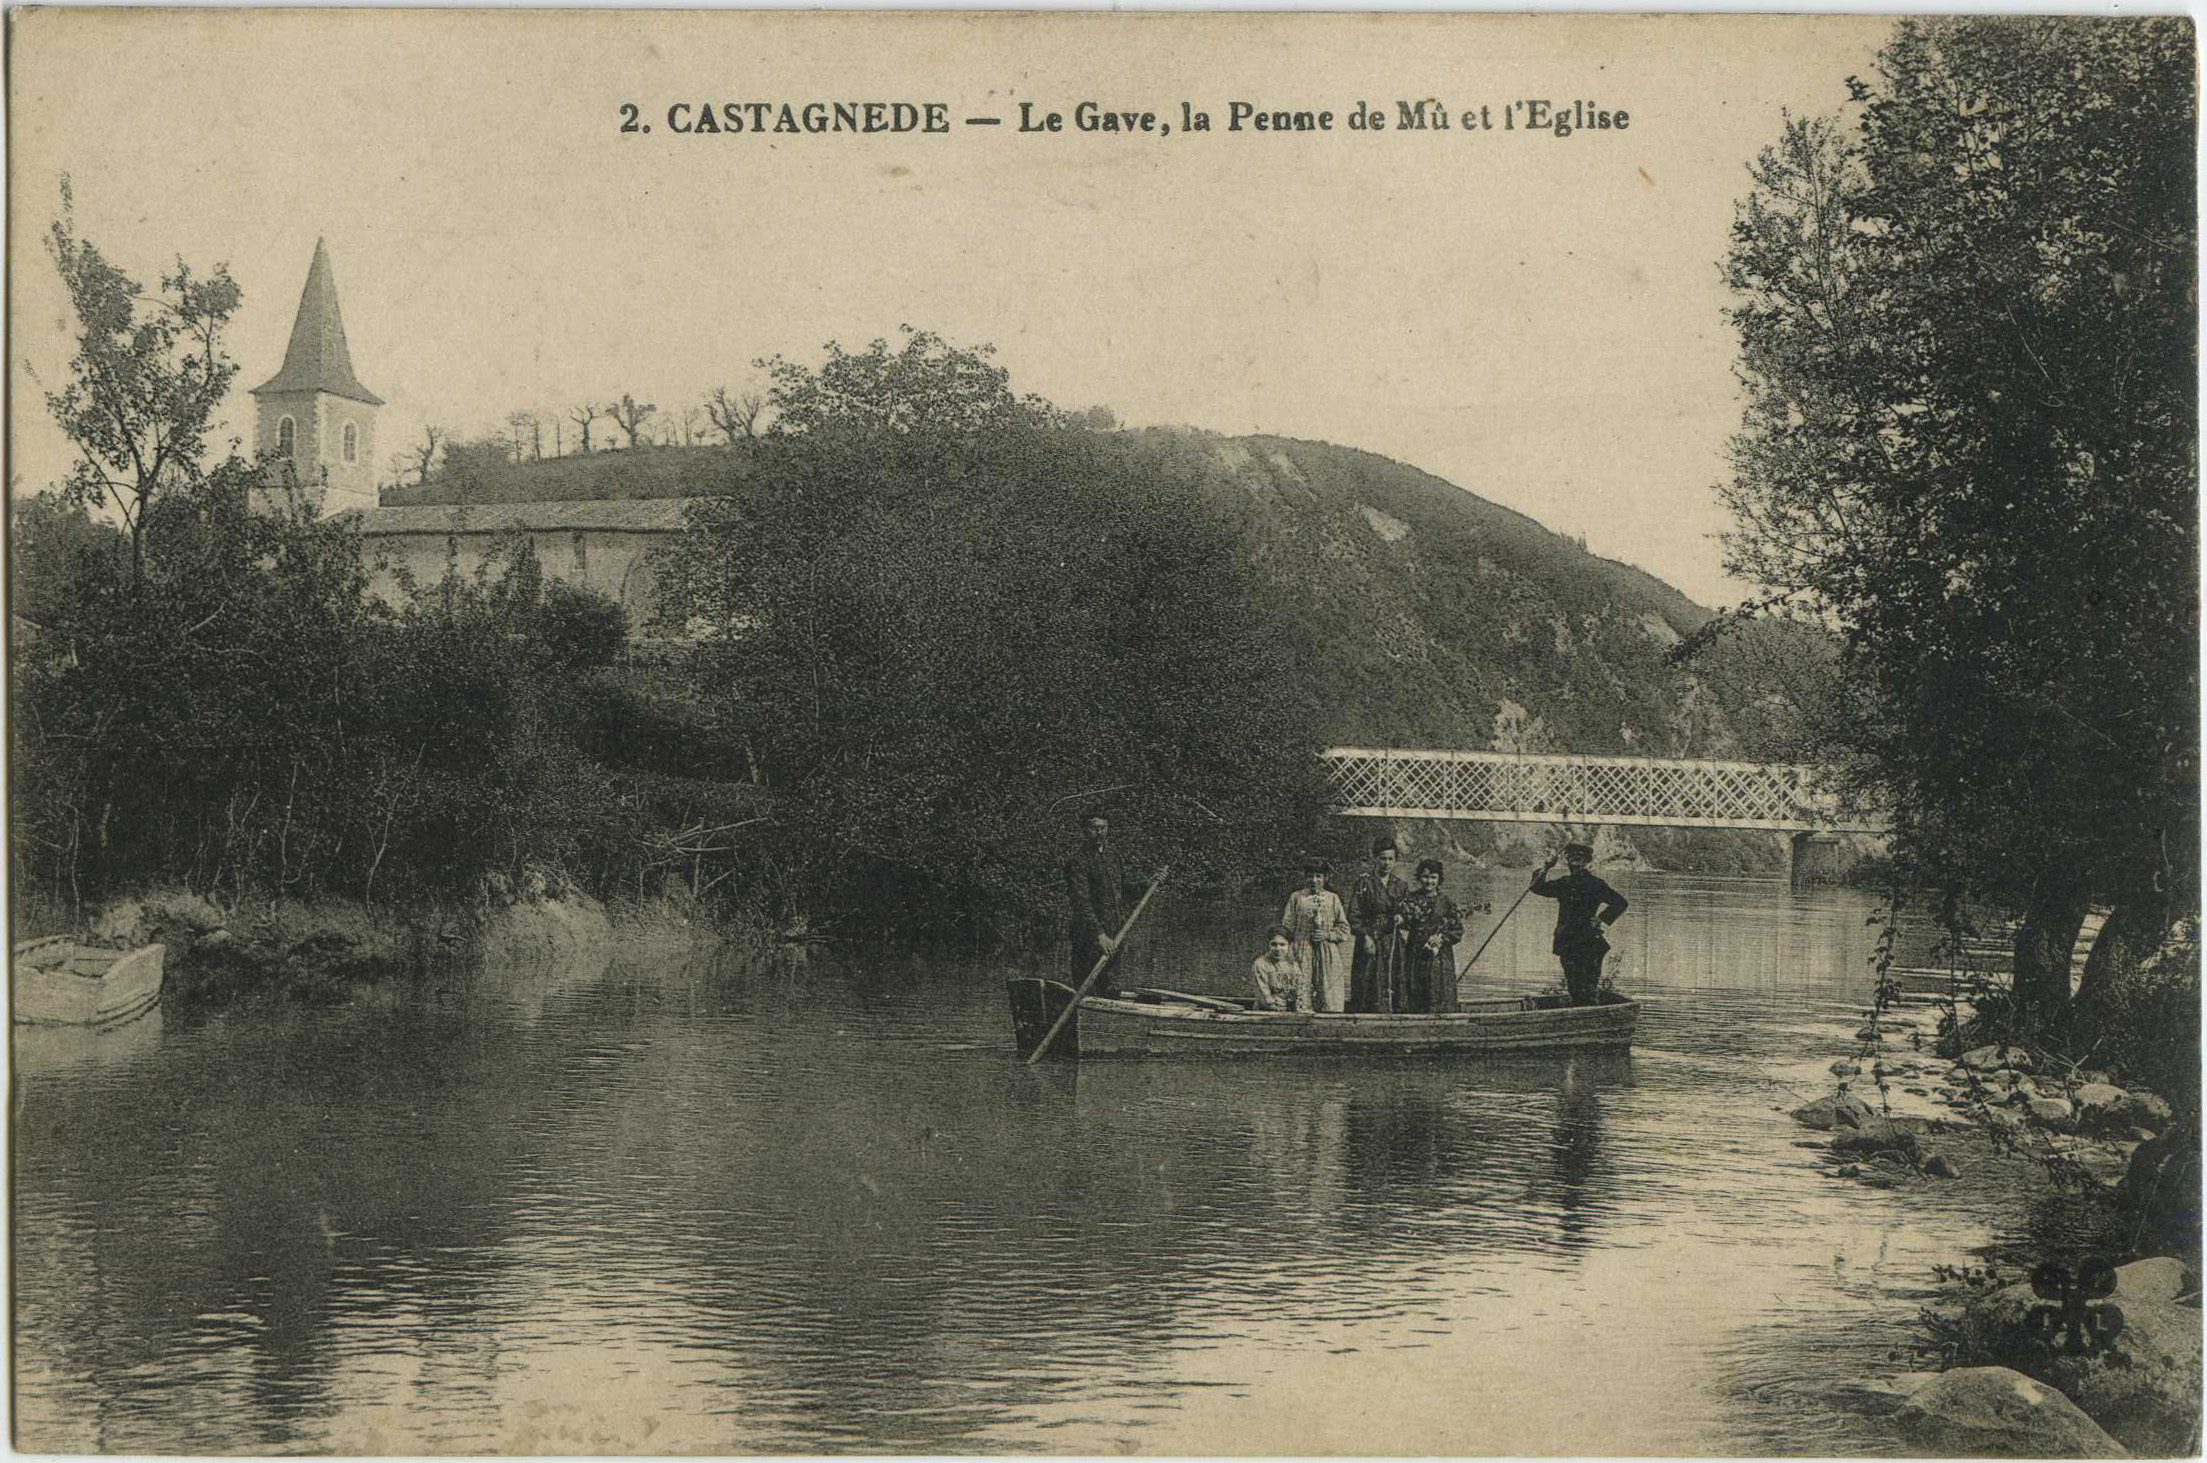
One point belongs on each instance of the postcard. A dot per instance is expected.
(1103, 733)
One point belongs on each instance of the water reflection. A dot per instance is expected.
(743, 1203)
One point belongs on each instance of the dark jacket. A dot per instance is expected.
(1372, 904)
(1095, 891)
(1581, 898)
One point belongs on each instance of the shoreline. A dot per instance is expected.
(1897, 1115)
(317, 951)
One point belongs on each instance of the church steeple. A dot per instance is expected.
(318, 358)
(316, 420)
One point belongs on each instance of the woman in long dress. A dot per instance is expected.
(1431, 927)
(1320, 925)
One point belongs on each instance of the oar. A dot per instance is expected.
(1086, 985)
(1505, 919)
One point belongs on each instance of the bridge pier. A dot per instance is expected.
(1816, 859)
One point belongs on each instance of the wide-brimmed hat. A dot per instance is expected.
(1579, 850)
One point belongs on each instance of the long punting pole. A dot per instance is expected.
(1505, 919)
(1086, 985)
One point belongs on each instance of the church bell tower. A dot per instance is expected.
(314, 421)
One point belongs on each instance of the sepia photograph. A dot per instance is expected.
(1103, 733)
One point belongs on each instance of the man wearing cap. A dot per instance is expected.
(1372, 921)
(1585, 906)
(1096, 894)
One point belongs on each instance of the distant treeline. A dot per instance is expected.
(927, 621)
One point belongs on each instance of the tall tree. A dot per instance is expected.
(936, 631)
(525, 433)
(582, 415)
(1966, 332)
(148, 373)
(631, 414)
(735, 416)
(924, 385)
(424, 452)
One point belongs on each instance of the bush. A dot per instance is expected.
(248, 719)
(579, 628)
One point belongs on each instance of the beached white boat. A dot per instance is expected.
(61, 982)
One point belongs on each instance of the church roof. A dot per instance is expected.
(317, 358)
(606, 515)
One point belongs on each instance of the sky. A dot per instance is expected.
(1537, 319)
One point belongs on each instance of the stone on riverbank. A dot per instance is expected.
(1879, 1396)
(2149, 1110)
(1939, 1166)
(1834, 1110)
(2145, 1390)
(1981, 1410)
(169, 917)
(313, 951)
(1993, 1058)
(2101, 1107)
(1875, 1135)
(2052, 1112)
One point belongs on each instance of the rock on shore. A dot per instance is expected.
(2145, 1387)
(548, 926)
(1990, 1410)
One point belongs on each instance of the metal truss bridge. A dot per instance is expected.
(1512, 787)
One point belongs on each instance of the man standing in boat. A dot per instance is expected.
(1096, 893)
(1372, 921)
(1585, 907)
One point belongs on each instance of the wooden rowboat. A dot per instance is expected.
(1157, 1023)
(59, 982)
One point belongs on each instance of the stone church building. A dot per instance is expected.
(316, 421)
(314, 417)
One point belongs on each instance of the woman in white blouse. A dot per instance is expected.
(1321, 928)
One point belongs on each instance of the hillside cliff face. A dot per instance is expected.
(1427, 616)
(1431, 617)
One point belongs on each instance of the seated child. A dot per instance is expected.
(1282, 982)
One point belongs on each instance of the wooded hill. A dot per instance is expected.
(1427, 615)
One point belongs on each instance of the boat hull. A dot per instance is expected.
(1171, 1028)
(60, 983)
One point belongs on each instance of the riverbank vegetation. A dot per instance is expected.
(245, 719)
(1966, 312)
(946, 619)
(944, 626)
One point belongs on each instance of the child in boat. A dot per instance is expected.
(1281, 981)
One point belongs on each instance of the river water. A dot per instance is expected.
(801, 1203)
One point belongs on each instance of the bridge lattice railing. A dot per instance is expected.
(1548, 788)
